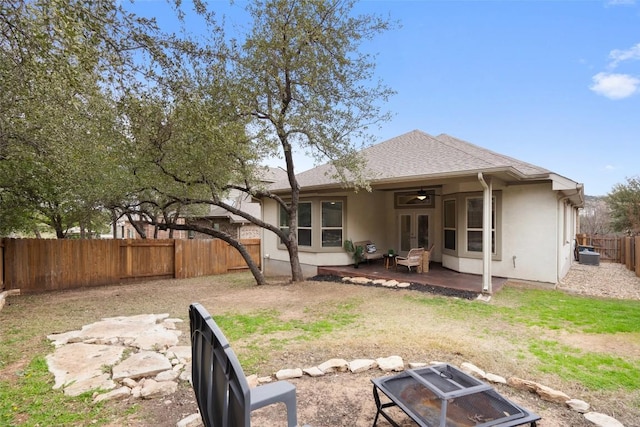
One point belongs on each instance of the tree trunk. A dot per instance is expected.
(137, 227)
(292, 246)
(296, 267)
(57, 226)
(114, 221)
(253, 267)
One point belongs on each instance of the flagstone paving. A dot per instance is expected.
(120, 352)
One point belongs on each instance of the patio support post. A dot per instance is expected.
(486, 233)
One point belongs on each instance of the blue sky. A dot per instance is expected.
(553, 83)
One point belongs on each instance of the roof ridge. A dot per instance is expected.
(450, 143)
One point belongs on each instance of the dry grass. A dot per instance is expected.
(387, 322)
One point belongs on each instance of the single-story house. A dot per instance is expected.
(443, 191)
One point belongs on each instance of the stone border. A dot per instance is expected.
(395, 284)
(157, 363)
(396, 364)
(5, 294)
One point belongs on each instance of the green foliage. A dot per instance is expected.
(250, 327)
(30, 401)
(624, 203)
(58, 62)
(317, 95)
(554, 310)
(355, 251)
(594, 370)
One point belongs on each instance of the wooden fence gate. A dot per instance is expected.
(621, 249)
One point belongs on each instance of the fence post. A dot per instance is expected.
(128, 259)
(1, 265)
(618, 250)
(636, 242)
(581, 239)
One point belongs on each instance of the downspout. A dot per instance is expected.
(486, 234)
(561, 224)
(263, 256)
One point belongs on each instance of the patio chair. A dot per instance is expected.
(413, 259)
(222, 392)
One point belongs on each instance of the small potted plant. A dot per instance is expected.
(355, 251)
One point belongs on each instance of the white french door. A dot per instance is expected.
(414, 230)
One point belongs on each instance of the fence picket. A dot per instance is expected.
(620, 249)
(35, 265)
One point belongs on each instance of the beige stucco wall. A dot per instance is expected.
(536, 228)
(535, 239)
(529, 230)
(362, 213)
(547, 225)
(565, 254)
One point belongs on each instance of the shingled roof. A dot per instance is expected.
(419, 155)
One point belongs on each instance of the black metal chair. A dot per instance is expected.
(221, 388)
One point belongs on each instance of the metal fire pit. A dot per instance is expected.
(443, 396)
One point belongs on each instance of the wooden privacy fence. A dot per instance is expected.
(34, 265)
(609, 247)
(622, 249)
(631, 253)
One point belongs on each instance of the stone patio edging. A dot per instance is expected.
(396, 364)
(144, 361)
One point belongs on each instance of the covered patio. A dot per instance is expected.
(436, 276)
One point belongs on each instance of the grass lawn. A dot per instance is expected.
(586, 347)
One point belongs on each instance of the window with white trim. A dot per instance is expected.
(305, 232)
(320, 224)
(331, 230)
(450, 220)
(283, 221)
(474, 224)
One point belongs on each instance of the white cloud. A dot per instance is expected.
(615, 86)
(617, 55)
(610, 168)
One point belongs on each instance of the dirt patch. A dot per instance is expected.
(7, 373)
(621, 344)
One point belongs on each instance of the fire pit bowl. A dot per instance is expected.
(443, 396)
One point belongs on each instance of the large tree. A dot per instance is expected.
(60, 61)
(308, 88)
(595, 218)
(297, 83)
(195, 119)
(186, 154)
(624, 203)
